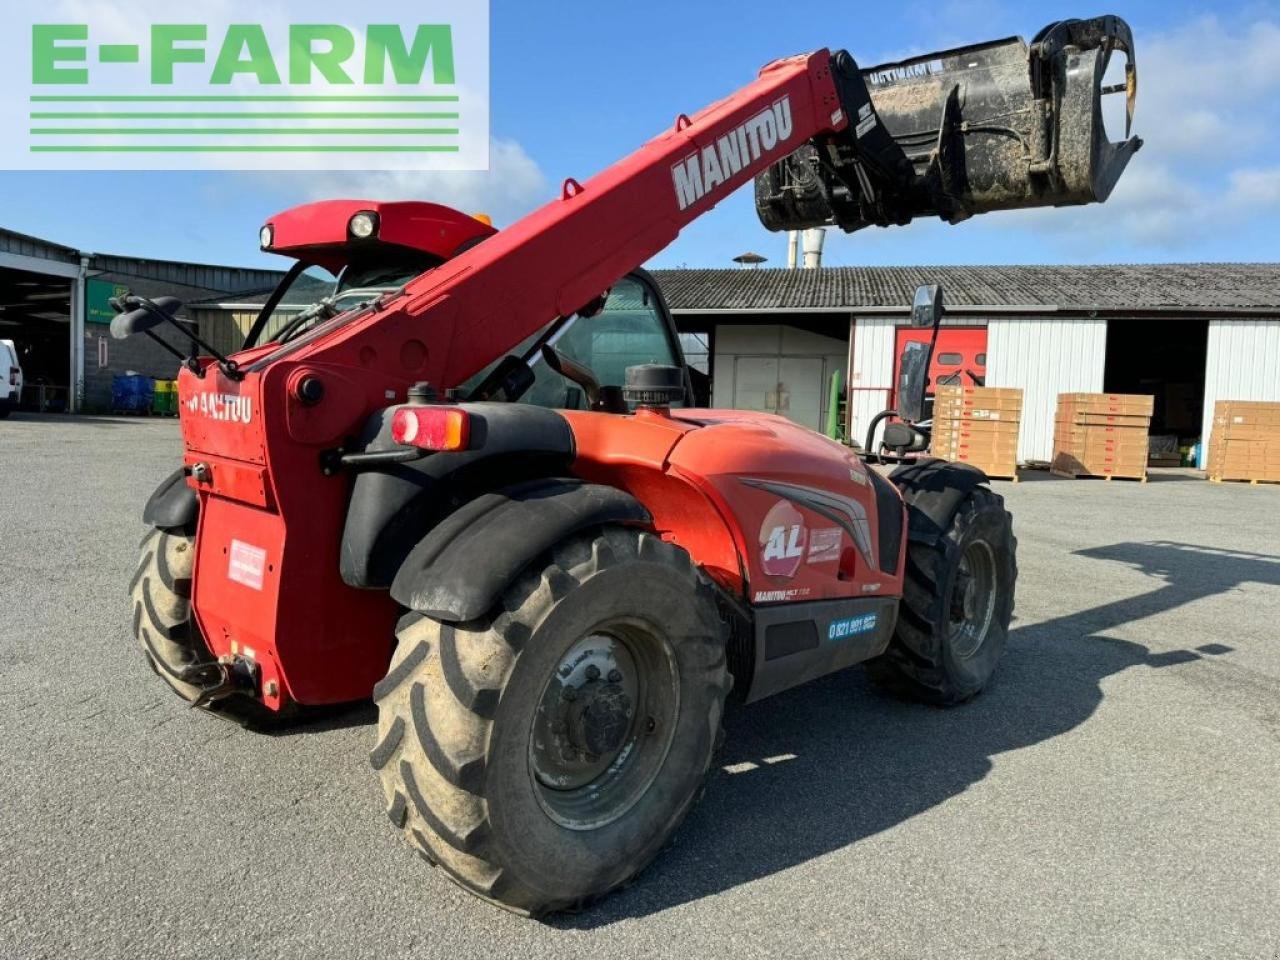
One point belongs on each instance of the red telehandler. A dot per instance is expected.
(470, 481)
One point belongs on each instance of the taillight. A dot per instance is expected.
(13, 376)
(431, 428)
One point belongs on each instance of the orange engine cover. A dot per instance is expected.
(769, 509)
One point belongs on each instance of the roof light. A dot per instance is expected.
(483, 218)
(267, 237)
(364, 225)
(431, 428)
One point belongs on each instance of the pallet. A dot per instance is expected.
(1096, 476)
(1252, 483)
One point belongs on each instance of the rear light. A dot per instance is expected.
(13, 376)
(431, 428)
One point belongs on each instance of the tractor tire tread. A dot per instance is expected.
(448, 695)
(160, 594)
(913, 666)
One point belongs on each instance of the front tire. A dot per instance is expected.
(161, 594)
(543, 755)
(956, 608)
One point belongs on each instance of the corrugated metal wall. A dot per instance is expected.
(1243, 364)
(1045, 356)
(871, 366)
(226, 329)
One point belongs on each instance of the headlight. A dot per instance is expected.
(267, 237)
(364, 225)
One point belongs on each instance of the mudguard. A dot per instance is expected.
(933, 490)
(460, 569)
(173, 504)
(393, 507)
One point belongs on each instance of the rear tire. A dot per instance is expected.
(476, 744)
(956, 608)
(161, 595)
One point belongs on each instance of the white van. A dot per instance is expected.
(10, 378)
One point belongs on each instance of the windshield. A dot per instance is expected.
(316, 295)
(629, 331)
(380, 271)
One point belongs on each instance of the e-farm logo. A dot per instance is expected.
(251, 88)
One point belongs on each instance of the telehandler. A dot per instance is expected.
(470, 483)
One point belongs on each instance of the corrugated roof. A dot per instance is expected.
(1162, 287)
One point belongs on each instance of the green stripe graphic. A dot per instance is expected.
(243, 99)
(245, 131)
(241, 148)
(243, 116)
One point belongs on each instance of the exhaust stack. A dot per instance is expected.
(994, 126)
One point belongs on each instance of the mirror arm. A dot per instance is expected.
(188, 362)
(229, 367)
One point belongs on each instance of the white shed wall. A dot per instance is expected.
(1243, 364)
(762, 348)
(871, 365)
(1045, 357)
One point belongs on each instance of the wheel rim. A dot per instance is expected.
(603, 725)
(973, 599)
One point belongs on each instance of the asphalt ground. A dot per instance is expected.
(1115, 794)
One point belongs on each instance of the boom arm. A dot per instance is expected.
(809, 127)
(481, 304)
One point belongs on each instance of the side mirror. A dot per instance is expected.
(914, 381)
(138, 315)
(927, 308)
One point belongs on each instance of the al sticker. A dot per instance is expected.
(783, 539)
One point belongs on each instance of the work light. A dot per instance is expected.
(364, 225)
(267, 237)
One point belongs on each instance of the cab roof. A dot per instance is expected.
(320, 232)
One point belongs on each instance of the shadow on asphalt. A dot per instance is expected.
(831, 763)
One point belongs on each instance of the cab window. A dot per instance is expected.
(628, 332)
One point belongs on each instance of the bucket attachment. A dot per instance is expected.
(995, 126)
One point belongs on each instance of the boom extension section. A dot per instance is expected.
(995, 126)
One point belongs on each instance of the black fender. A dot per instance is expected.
(173, 504)
(392, 507)
(933, 489)
(461, 568)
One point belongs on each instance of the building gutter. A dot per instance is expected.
(1117, 313)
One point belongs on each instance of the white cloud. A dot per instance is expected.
(1205, 86)
(1255, 190)
(512, 186)
(1206, 106)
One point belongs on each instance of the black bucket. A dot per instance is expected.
(994, 126)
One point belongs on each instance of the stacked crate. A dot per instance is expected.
(978, 426)
(1245, 443)
(1102, 435)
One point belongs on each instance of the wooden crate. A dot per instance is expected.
(1245, 444)
(1102, 435)
(979, 426)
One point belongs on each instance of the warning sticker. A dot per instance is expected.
(824, 545)
(247, 564)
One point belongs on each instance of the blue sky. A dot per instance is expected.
(577, 85)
